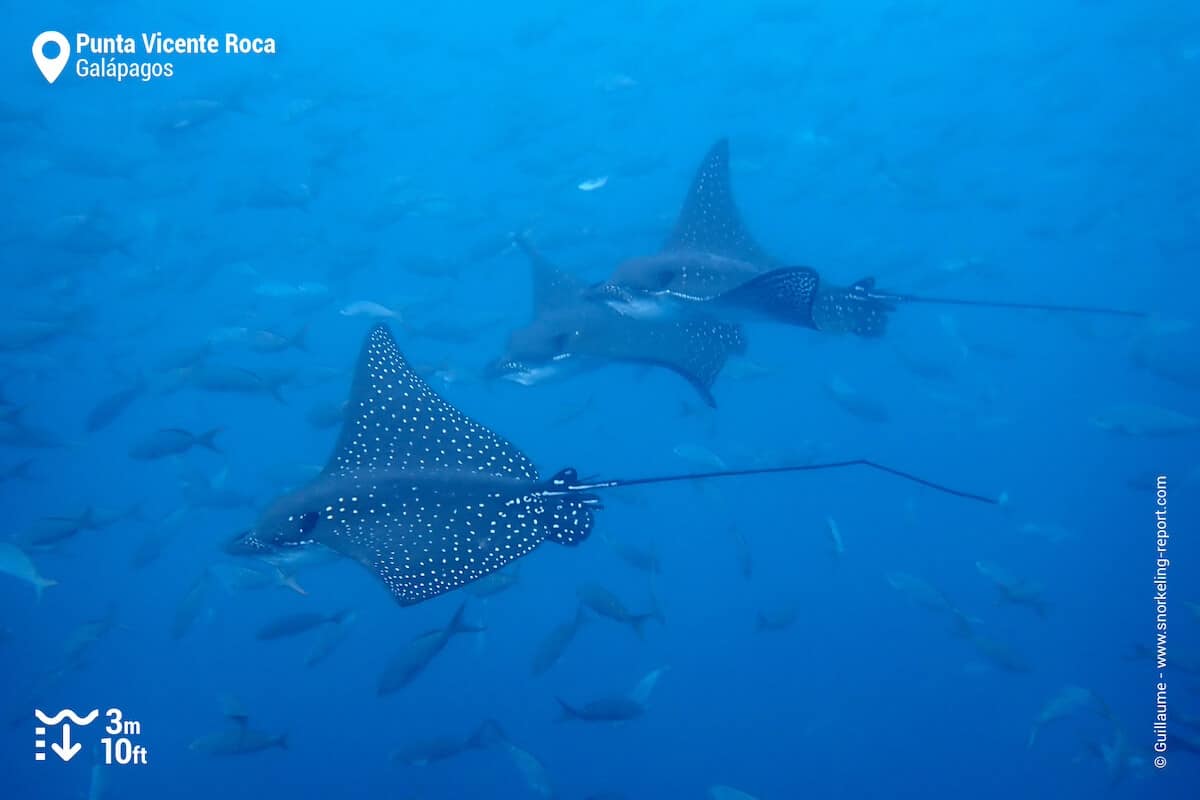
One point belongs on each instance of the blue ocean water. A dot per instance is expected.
(387, 154)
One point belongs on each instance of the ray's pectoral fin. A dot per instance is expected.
(388, 423)
(709, 220)
(694, 349)
(798, 296)
(703, 387)
(433, 538)
(553, 287)
(782, 295)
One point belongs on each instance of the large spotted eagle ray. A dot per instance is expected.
(570, 332)
(430, 500)
(710, 266)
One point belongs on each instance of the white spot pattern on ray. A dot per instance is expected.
(442, 537)
(428, 499)
(395, 421)
(710, 221)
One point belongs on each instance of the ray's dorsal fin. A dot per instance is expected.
(710, 221)
(395, 421)
(553, 286)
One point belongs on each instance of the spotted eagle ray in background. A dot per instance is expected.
(711, 265)
(430, 500)
(569, 332)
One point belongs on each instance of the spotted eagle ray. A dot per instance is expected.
(569, 332)
(431, 500)
(710, 264)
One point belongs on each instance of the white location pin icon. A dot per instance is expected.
(51, 67)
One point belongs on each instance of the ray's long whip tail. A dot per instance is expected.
(614, 483)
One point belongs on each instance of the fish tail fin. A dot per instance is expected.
(290, 582)
(208, 440)
(1033, 733)
(760, 622)
(1105, 710)
(963, 626)
(300, 340)
(656, 611)
(565, 711)
(237, 102)
(21, 470)
(80, 316)
(490, 733)
(638, 623)
(278, 395)
(12, 415)
(458, 625)
(42, 584)
(282, 741)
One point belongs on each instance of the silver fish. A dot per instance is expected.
(419, 652)
(239, 577)
(16, 562)
(636, 555)
(329, 639)
(618, 708)
(173, 442)
(556, 642)
(369, 309)
(606, 604)
(855, 402)
(238, 740)
(1069, 701)
(190, 607)
(745, 558)
(1016, 591)
(228, 379)
(777, 619)
(106, 411)
(296, 624)
(429, 751)
(1142, 419)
